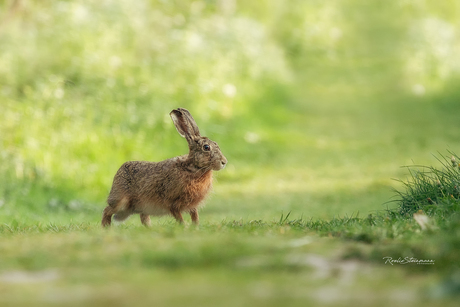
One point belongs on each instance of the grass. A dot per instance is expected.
(292, 261)
(436, 191)
(315, 104)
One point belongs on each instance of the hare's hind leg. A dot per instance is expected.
(107, 216)
(194, 216)
(145, 219)
(119, 208)
(177, 215)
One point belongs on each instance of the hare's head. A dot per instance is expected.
(204, 153)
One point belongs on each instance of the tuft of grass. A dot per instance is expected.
(433, 190)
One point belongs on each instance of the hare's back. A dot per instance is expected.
(129, 175)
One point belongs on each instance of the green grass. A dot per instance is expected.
(433, 190)
(316, 105)
(231, 262)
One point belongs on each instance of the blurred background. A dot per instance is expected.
(316, 104)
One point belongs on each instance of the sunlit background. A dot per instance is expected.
(316, 104)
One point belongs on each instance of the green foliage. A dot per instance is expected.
(87, 85)
(93, 90)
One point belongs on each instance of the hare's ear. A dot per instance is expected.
(185, 124)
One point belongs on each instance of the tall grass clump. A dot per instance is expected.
(431, 189)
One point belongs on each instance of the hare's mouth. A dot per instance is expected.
(219, 165)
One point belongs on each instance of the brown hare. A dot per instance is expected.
(171, 186)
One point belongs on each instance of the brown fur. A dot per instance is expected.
(168, 187)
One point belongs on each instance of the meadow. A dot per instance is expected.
(318, 106)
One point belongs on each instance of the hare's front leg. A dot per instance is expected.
(194, 215)
(145, 219)
(107, 216)
(177, 215)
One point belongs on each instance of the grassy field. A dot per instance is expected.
(317, 106)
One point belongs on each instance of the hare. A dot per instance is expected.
(171, 186)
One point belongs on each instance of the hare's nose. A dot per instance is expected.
(223, 162)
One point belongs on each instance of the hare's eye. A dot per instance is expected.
(206, 147)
